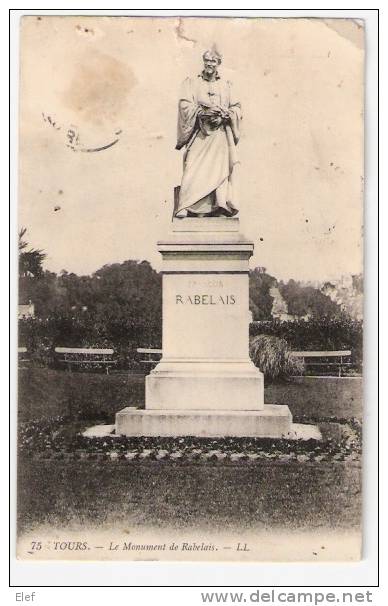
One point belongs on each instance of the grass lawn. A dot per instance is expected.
(265, 493)
(169, 494)
(45, 393)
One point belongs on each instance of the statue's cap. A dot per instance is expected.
(214, 52)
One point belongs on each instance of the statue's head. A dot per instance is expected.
(211, 60)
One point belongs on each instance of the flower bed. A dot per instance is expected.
(61, 437)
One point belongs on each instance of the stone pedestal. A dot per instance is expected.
(205, 383)
(271, 422)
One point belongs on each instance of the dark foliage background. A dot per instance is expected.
(120, 306)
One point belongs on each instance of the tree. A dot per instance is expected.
(127, 301)
(260, 300)
(30, 261)
(358, 283)
(307, 300)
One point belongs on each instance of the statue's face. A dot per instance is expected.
(210, 64)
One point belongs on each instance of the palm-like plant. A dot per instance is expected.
(30, 261)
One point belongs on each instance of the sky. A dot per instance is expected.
(98, 112)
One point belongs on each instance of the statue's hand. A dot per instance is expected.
(215, 121)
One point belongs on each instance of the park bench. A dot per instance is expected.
(325, 359)
(23, 357)
(150, 355)
(85, 358)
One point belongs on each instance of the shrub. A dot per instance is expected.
(272, 356)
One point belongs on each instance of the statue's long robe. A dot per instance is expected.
(210, 155)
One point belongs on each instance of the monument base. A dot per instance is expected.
(205, 385)
(272, 421)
